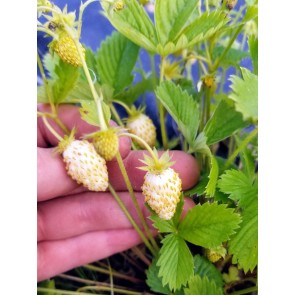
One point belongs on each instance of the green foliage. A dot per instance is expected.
(171, 18)
(182, 107)
(116, 58)
(134, 23)
(209, 225)
(224, 122)
(153, 279)
(88, 112)
(245, 94)
(213, 176)
(204, 27)
(244, 245)
(204, 268)
(253, 47)
(175, 262)
(200, 188)
(201, 286)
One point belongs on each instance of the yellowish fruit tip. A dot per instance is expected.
(64, 143)
(155, 164)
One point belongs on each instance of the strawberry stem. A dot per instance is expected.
(46, 123)
(130, 218)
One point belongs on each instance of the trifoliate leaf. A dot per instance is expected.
(245, 94)
(201, 286)
(213, 177)
(209, 225)
(116, 59)
(253, 47)
(171, 18)
(153, 279)
(182, 107)
(67, 77)
(204, 26)
(204, 268)
(175, 262)
(134, 23)
(236, 184)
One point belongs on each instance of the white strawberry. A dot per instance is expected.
(162, 185)
(142, 126)
(83, 163)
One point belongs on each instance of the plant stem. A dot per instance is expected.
(139, 253)
(115, 274)
(134, 200)
(124, 105)
(230, 43)
(51, 129)
(162, 111)
(245, 291)
(130, 218)
(116, 115)
(243, 144)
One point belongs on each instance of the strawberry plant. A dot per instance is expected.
(197, 94)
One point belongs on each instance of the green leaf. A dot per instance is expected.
(201, 286)
(245, 94)
(213, 177)
(164, 226)
(175, 262)
(50, 61)
(115, 61)
(182, 107)
(153, 279)
(67, 76)
(131, 94)
(200, 188)
(88, 112)
(200, 145)
(232, 58)
(236, 184)
(171, 17)
(134, 23)
(209, 225)
(224, 122)
(204, 268)
(204, 26)
(253, 47)
(244, 245)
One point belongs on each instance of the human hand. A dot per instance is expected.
(76, 226)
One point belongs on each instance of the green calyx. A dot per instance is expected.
(66, 141)
(156, 164)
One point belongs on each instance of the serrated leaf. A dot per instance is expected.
(199, 189)
(245, 94)
(134, 23)
(202, 286)
(224, 122)
(172, 47)
(67, 77)
(182, 107)
(153, 280)
(213, 177)
(204, 268)
(209, 225)
(171, 17)
(235, 183)
(253, 47)
(116, 59)
(88, 112)
(164, 226)
(175, 262)
(204, 26)
(50, 61)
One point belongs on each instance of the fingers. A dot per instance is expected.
(71, 117)
(53, 181)
(70, 216)
(58, 256)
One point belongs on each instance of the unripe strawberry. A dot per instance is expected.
(161, 186)
(142, 126)
(106, 143)
(215, 254)
(67, 50)
(83, 163)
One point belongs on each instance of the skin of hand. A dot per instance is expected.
(76, 226)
